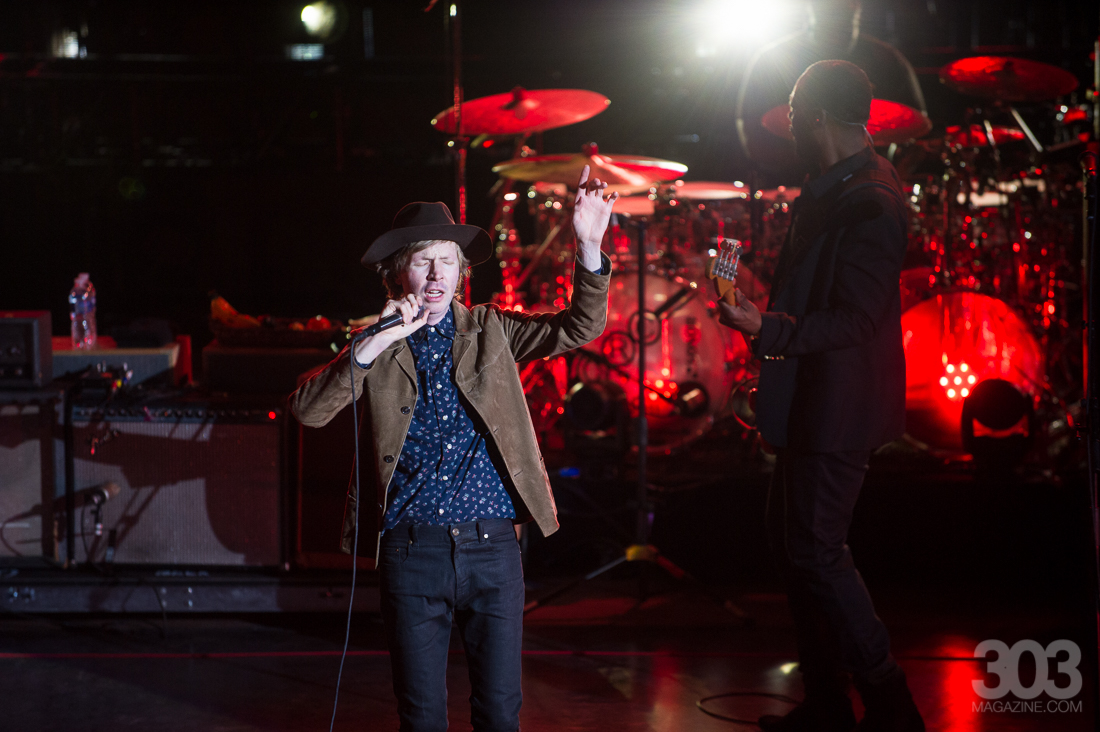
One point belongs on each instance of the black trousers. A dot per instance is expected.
(809, 512)
(471, 573)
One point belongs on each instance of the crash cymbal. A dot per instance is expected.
(976, 136)
(523, 110)
(702, 190)
(890, 122)
(622, 173)
(1007, 78)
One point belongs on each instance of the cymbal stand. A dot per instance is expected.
(1091, 428)
(507, 240)
(945, 275)
(1023, 126)
(453, 22)
(459, 143)
(641, 550)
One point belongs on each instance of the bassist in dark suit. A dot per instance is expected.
(832, 389)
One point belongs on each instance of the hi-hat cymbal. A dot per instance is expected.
(622, 173)
(636, 206)
(976, 136)
(782, 194)
(1007, 78)
(522, 110)
(890, 122)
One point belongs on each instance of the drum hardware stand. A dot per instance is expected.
(641, 549)
(453, 23)
(1027, 130)
(460, 143)
(537, 256)
(504, 186)
(1091, 428)
(604, 361)
(756, 216)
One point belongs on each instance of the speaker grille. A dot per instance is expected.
(26, 479)
(192, 493)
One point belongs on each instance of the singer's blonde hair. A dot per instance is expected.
(392, 266)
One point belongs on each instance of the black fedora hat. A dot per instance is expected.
(422, 221)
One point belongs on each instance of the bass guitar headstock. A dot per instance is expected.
(722, 270)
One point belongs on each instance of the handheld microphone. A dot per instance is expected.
(390, 321)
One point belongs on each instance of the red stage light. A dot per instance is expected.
(271, 415)
(953, 342)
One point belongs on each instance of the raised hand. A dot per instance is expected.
(591, 214)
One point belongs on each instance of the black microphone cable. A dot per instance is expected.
(355, 540)
(383, 324)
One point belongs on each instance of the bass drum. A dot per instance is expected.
(692, 362)
(953, 342)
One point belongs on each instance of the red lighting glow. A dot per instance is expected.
(271, 415)
(952, 342)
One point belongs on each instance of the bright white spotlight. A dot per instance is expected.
(725, 25)
(66, 44)
(319, 19)
(305, 51)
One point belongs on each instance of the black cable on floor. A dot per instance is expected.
(750, 722)
(355, 540)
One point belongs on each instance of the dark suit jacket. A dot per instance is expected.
(833, 374)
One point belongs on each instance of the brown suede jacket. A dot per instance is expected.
(488, 344)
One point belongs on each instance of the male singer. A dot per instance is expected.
(450, 453)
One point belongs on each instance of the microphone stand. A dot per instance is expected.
(641, 550)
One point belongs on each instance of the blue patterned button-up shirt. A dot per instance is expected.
(444, 474)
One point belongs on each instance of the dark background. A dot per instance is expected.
(187, 154)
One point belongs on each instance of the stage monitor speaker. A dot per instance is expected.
(199, 484)
(26, 352)
(325, 457)
(30, 453)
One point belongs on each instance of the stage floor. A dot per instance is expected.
(596, 659)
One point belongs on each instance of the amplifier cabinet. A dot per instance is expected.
(30, 455)
(323, 472)
(200, 483)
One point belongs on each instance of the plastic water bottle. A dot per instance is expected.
(82, 311)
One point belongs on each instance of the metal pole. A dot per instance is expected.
(1096, 90)
(1092, 400)
(455, 18)
(642, 527)
(70, 478)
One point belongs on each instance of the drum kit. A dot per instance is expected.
(988, 295)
